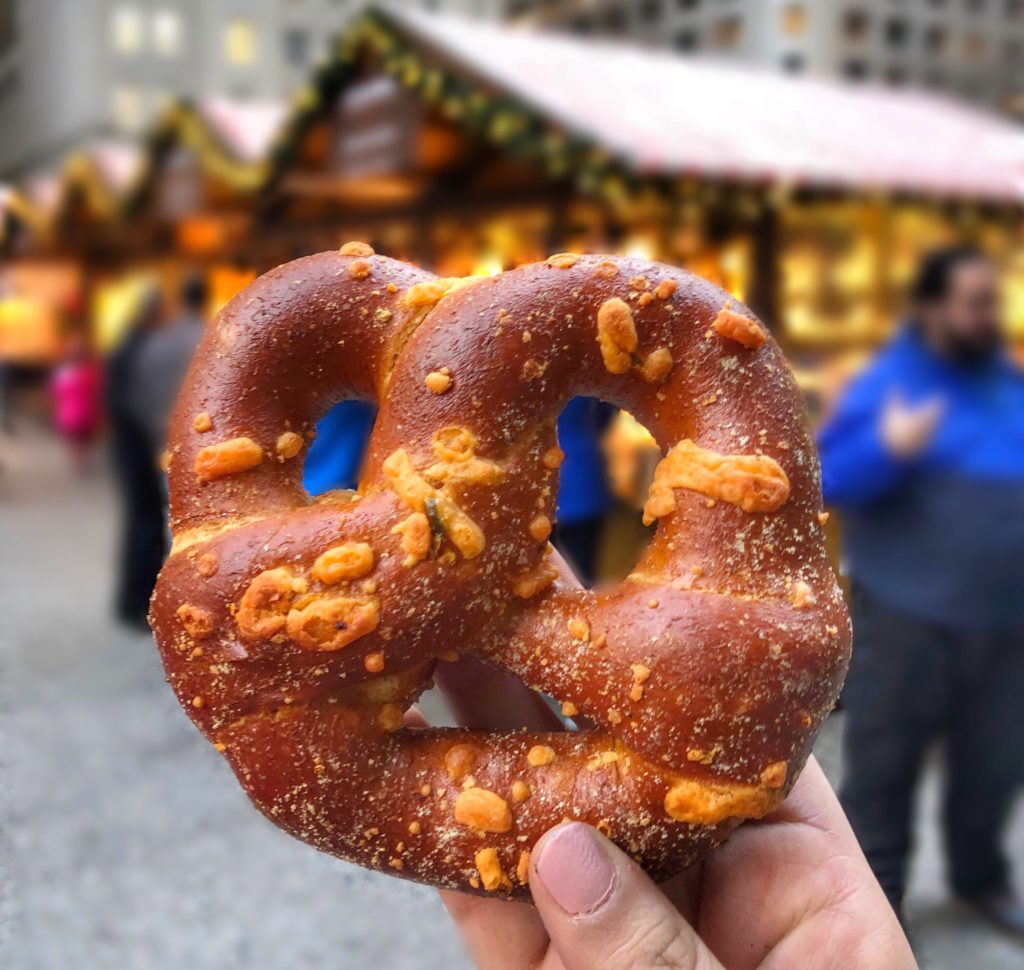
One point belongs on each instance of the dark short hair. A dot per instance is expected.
(194, 292)
(935, 272)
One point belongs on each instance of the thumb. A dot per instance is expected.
(601, 910)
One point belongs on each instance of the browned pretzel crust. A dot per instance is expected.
(297, 632)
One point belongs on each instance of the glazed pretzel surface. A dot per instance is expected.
(297, 632)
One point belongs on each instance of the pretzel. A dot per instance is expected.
(297, 632)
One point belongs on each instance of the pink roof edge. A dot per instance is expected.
(665, 114)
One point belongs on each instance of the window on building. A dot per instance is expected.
(687, 40)
(688, 4)
(896, 75)
(935, 81)
(975, 46)
(1013, 53)
(794, 20)
(1014, 8)
(126, 106)
(793, 63)
(296, 46)
(240, 42)
(976, 6)
(728, 32)
(856, 25)
(126, 29)
(897, 31)
(167, 32)
(935, 38)
(856, 70)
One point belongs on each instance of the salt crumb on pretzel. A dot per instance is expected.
(297, 632)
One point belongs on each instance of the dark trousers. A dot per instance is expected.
(578, 543)
(911, 683)
(7, 379)
(143, 540)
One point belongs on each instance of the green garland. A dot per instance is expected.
(498, 119)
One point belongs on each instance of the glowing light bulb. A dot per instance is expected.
(639, 247)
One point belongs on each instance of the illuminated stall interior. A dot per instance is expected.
(471, 149)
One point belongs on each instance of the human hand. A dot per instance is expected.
(790, 891)
(907, 429)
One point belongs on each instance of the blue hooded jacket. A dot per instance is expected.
(583, 494)
(939, 536)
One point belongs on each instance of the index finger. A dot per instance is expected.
(812, 802)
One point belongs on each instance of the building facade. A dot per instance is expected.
(472, 150)
(72, 69)
(48, 100)
(970, 48)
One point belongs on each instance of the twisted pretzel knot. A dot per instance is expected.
(297, 631)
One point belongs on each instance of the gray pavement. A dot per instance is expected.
(126, 842)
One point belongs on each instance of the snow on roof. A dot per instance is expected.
(665, 114)
(246, 128)
(117, 162)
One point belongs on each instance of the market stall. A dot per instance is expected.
(471, 149)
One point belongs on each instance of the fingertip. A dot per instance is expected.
(571, 866)
(601, 909)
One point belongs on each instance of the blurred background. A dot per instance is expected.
(157, 155)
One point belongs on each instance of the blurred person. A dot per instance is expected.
(7, 380)
(146, 373)
(164, 354)
(924, 454)
(584, 493)
(632, 455)
(142, 543)
(336, 455)
(75, 391)
(584, 496)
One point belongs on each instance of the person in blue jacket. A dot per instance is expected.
(584, 493)
(335, 458)
(584, 497)
(924, 455)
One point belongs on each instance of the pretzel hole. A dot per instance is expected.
(335, 458)
(605, 547)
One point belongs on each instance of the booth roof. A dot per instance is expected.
(116, 161)
(246, 128)
(662, 114)
(657, 114)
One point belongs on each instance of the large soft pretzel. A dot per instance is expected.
(296, 632)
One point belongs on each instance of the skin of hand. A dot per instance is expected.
(906, 429)
(792, 890)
